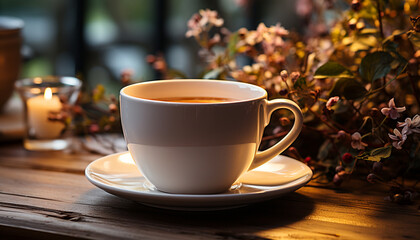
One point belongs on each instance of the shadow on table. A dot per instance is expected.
(257, 217)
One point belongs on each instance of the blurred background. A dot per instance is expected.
(97, 39)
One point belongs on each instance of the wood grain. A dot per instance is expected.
(46, 195)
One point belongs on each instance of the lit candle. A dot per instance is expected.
(39, 108)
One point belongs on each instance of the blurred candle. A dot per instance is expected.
(39, 108)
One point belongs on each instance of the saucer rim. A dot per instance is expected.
(191, 201)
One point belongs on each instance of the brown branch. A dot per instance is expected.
(378, 8)
(274, 136)
(325, 122)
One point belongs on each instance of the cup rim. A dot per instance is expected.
(10, 24)
(43, 81)
(255, 87)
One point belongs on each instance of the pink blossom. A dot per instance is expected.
(270, 38)
(278, 30)
(210, 17)
(332, 101)
(203, 21)
(411, 125)
(194, 26)
(392, 111)
(356, 141)
(399, 138)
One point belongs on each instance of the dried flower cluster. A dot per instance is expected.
(356, 78)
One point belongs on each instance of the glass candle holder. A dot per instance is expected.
(47, 101)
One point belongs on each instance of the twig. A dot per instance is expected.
(378, 9)
(274, 136)
(325, 122)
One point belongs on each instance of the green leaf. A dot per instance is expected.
(414, 38)
(375, 65)
(377, 154)
(332, 69)
(300, 83)
(213, 74)
(348, 88)
(176, 74)
(369, 31)
(233, 41)
(98, 93)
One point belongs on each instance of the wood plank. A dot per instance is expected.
(60, 161)
(67, 203)
(45, 195)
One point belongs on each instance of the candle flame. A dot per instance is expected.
(48, 94)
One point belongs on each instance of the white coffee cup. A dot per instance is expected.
(199, 148)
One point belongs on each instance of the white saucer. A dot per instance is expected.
(117, 174)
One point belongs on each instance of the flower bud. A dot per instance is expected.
(294, 76)
(341, 135)
(268, 74)
(284, 75)
(347, 158)
(360, 25)
(352, 23)
(339, 169)
(247, 69)
(356, 5)
(284, 121)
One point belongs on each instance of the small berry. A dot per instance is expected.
(307, 160)
(347, 158)
(371, 178)
(337, 180)
(398, 198)
(284, 92)
(112, 107)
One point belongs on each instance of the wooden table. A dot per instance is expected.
(46, 195)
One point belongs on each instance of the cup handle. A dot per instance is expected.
(266, 155)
